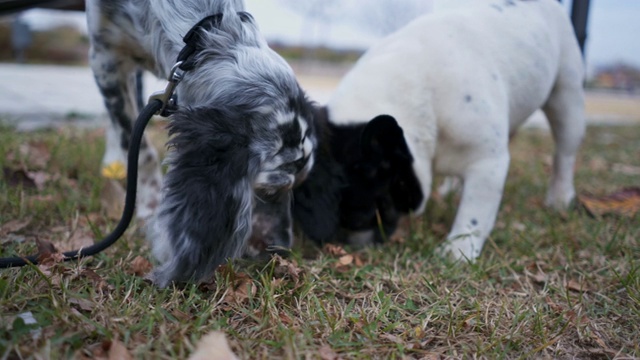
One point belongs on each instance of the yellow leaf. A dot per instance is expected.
(115, 170)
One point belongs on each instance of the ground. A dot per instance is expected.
(547, 285)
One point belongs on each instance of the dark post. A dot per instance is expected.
(20, 38)
(580, 17)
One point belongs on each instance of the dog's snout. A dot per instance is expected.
(296, 166)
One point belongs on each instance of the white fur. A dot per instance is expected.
(459, 83)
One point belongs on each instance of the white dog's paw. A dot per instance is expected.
(465, 248)
(560, 199)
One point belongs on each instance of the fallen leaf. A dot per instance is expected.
(47, 253)
(14, 226)
(625, 202)
(392, 338)
(334, 250)
(213, 346)
(285, 267)
(34, 155)
(181, 315)
(539, 278)
(39, 178)
(327, 353)
(98, 282)
(140, 266)
(358, 260)
(116, 350)
(576, 286)
(554, 306)
(112, 198)
(79, 239)
(242, 289)
(345, 260)
(115, 171)
(83, 304)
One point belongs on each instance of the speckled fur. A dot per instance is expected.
(243, 133)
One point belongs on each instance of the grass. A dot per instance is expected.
(547, 285)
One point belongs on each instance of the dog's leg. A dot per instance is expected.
(450, 185)
(116, 79)
(483, 183)
(565, 111)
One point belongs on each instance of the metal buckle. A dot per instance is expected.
(166, 96)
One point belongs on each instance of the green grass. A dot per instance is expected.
(547, 285)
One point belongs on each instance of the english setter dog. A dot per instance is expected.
(443, 95)
(242, 135)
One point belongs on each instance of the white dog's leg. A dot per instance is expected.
(482, 188)
(565, 111)
(450, 185)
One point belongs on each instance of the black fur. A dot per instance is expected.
(365, 172)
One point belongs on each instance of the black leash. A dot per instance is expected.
(160, 103)
(152, 108)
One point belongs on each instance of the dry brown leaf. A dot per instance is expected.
(345, 260)
(213, 346)
(358, 260)
(285, 267)
(242, 289)
(112, 199)
(181, 315)
(39, 178)
(14, 226)
(576, 286)
(116, 350)
(83, 304)
(539, 278)
(334, 250)
(48, 255)
(140, 266)
(625, 202)
(36, 154)
(392, 338)
(80, 238)
(98, 282)
(327, 353)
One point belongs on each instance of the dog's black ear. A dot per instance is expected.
(206, 210)
(383, 137)
(389, 158)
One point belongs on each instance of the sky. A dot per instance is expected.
(613, 34)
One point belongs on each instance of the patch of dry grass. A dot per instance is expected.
(546, 286)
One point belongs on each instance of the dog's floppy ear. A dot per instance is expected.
(389, 158)
(205, 216)
(382, 136)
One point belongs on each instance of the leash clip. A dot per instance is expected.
(166, 95)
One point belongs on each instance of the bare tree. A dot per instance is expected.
(386, 16)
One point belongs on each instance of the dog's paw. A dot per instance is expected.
(466, 248)
(560, 202)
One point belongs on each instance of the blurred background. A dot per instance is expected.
(320, 38)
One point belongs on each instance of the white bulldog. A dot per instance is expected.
(453, 86)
